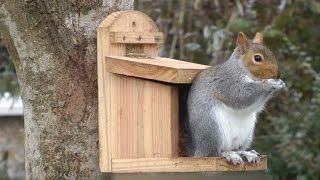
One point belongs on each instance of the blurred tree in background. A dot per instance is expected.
(204, 31)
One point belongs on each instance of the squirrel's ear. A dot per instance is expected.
(258, 38)
(242, 43)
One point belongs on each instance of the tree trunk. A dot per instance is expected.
(53, 46)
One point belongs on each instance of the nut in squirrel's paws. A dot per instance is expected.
(233, 157)
(275, 83)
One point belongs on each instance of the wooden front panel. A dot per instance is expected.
(143, 118)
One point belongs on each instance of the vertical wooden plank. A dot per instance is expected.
(147, 121)
(140, 127)
(174, 126)
(161, 120)
(104, 135)
(103, 50)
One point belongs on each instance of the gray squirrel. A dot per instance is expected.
(224, 101)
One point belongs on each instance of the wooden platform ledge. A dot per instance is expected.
(160, 69)
(182, 164)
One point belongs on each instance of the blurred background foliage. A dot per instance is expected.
(205, 31)
(8, 78)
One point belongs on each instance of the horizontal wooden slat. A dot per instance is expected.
(136, 37)
(160, 69)
(182, 164)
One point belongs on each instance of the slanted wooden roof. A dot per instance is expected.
(157, 68)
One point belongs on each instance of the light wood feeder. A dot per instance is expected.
(138, 101)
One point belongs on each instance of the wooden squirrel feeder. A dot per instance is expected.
(138, 101)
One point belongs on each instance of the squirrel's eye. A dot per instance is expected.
(257, 58)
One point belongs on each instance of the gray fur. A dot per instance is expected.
(227, 82)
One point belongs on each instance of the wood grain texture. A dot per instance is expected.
(157, 68)
(141, 118)
(182, 164)
(103, 49)
(104, 135)
(136, 37)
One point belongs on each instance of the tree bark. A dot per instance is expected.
(53, 46)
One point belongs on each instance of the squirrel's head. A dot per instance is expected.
(257, 58)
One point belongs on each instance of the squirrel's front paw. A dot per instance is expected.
(274, 83)
(233, 157)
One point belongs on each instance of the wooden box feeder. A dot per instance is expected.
(138, 101)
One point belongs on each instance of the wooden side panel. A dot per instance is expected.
(182, 164)
(141, 116)
(103, 50)
(104, 125)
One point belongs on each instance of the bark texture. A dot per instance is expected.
(53, 45)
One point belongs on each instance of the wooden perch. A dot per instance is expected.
(160, 69)
(182, 164)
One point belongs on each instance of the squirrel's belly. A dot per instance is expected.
(236, 127)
